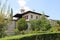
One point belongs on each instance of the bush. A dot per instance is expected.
(21, 25)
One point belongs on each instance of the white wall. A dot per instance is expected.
(29, 16)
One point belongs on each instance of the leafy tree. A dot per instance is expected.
(40, 24)
(44, 23)
(21, 24)
(34, 25)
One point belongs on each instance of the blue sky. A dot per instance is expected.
(50, 7)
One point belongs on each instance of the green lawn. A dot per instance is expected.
(26, 35)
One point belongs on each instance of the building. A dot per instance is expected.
(28, 15)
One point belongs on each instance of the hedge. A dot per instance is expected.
(40, 36)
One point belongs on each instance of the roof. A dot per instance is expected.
(31, 12)
(20, 15)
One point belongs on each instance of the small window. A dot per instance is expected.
(31, 16)
(27, 17)
(36, 17)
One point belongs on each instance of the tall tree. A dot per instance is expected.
(11, 14)
(3, 19)
(0, 2)
(2, 25)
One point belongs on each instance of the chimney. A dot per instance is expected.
(33, 10)
(22, 10)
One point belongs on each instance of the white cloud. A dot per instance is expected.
(22, 4)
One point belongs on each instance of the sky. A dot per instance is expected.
(49, 7)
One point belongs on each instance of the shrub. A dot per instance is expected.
(21, 24)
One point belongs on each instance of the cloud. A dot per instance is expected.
(22, 4)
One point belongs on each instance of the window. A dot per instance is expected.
(31, 16)
(27, 17)
(36, 17)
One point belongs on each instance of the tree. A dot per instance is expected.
(21, 24)
(34, 25)
(58, 22)
(3, 18)
(2, 25)
(40, 24)
(11, 14)
(44, 23)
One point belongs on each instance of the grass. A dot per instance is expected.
(26, 35)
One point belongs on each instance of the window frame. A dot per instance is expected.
(31, 16)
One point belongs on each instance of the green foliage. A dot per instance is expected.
(21, 24)
(16, 31)
(40, 24)
(58, 22)
(2, 25)
(41, 36)
(44, 23)
(3, 18)
(54, 29)
(34, 25)
(11, 14)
